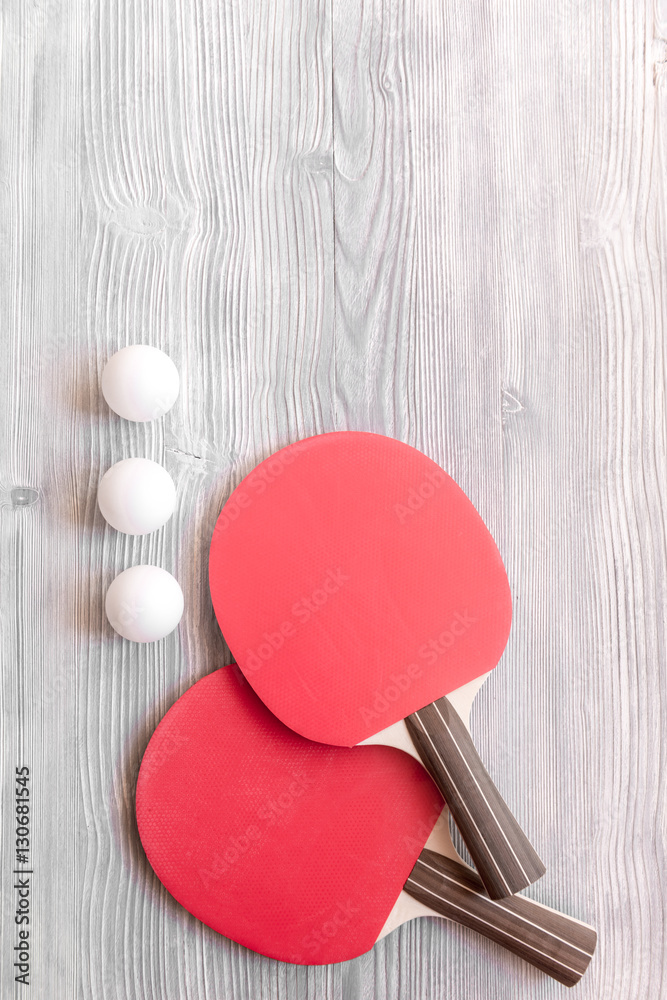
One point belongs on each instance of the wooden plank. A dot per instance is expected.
(38, 535)
(545, 690)
(584, 467)
(622, 600)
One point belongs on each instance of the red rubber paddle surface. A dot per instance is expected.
(356, 583)
(294, 849)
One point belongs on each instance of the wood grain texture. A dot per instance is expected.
(441, 221)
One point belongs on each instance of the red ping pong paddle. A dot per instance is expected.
(301, 851)
(356, 585)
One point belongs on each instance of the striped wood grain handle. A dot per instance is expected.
(503, 855)
(549, 940)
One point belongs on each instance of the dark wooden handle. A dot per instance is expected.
(547, 939)
(503, 855)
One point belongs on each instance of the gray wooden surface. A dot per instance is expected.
(446, 221)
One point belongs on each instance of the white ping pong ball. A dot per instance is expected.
(140, 382)
(144, 603)
(136, 496)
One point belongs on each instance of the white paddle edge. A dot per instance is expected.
(397, 735)
(406, 907)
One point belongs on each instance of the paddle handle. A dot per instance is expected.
(549, 940)
(503, 855)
